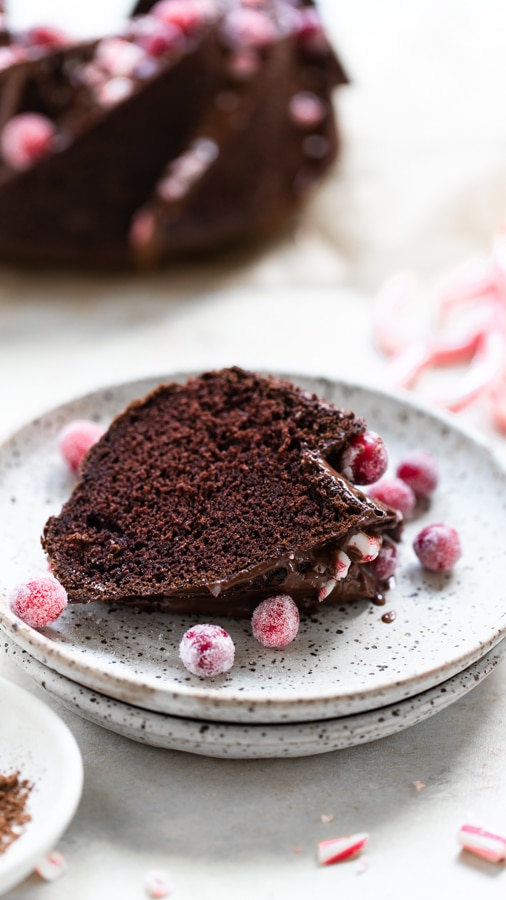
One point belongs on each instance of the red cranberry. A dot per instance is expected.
(395, 493)
(275, 621)
(186, 14)
(157, 37)
(76, 439)
(419, 470)
(38, 602)
(25, 138)
(309, 30)
(249, 28)
(207, 650)
(386, 561)
(438, 547)
(43, 36)
(365, 459)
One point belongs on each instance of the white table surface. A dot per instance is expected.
(422, 182)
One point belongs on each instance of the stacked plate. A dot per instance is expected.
(353, 674)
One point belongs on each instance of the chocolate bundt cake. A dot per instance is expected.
(202, 122)
(211, 495)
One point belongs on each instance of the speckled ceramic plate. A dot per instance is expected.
(345, 660)
(36, 743)
(248, 741)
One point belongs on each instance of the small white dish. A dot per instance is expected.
(36, 743)
(245, 741)
(346, 659)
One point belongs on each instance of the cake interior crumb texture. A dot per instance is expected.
(211, 494)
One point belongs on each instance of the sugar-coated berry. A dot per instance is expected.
(186, 14)
(248, 28)
(39, 601)
(44, 37)
(275, 621)
(207, 650)
(438, 547)
(396, 493)
(25, 138)
(156, 37)
(420, 471)
(365, 458)
(76, 439)
(386, 561)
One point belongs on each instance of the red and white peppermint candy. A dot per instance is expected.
(158, 883)
(341, 848)
(342, 563)
(483, 843)
(52, 866)
(327, 589)
(367, 545)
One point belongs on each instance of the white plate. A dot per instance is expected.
(35, 742)
(345, 660)
(246, 741)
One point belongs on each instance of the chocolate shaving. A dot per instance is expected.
(14, 792)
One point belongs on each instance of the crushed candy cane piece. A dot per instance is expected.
(52, 866)
(391, 306)
(342, 563)
(419, 786)
(326, 818)
(474, 292)
(327, 589)
(366, 546)
(158, 883)
(340, 849)
(483, 843)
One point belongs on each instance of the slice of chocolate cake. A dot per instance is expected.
(212, 495)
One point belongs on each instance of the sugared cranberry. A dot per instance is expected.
(275, 621)
(438, 547)
(306, 109)
(38, 602)
(249, 28)
(420, 471)
(365, 459)
(76, 439)
(25, 138)
(186, 14)
(157, 37)
(309, 30)
(119, 58)
(9, 56)
(43, 36)
(207, 650)
(395, 493)
(386, 561)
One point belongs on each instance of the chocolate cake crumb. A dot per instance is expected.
(14, 792)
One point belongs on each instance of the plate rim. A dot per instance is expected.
(422, 706)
